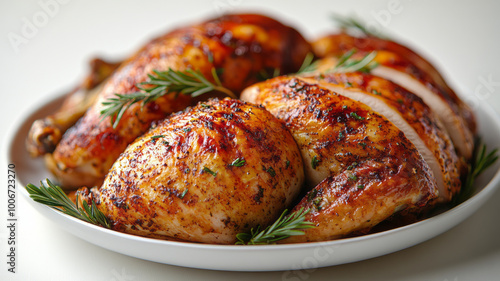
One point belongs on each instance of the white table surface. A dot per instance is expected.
(461, 37)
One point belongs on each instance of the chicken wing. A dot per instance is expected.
(46, 133)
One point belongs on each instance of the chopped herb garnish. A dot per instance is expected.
(356, 116)
(187, 130)
(207, 170)
(184, 193)
(157, 137)
(287, 164)
(314, 162)
(271, 171)
(360, 186)
(352, 166)
(352, 177)
(238, 162)
(312, 194)
(375, 92)
(363, 144)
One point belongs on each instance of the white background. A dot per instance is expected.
(461, 37)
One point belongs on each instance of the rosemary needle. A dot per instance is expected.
(308, 65)
(347, 64)
(350, 23)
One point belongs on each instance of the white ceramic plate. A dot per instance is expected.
(257, 258)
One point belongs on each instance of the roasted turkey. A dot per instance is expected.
(353, 148)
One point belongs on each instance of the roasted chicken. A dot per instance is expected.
(246, 47)
(353, 148)
(204, 175)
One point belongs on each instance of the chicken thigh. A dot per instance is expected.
(204, 175)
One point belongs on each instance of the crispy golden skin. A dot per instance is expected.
(347, 147)
(417, 115)
(45, 133)
(180, 180)
(244, 46)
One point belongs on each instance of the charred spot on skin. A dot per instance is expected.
(257, 198)
(119, 202)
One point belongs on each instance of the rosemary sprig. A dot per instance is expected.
(346, 64)
(350, 23)
(160, 83)
(53, 196)
(481, 162)
(282, 228)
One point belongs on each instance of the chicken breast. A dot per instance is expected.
(408, 69)
(243, 46)
(204, 175)
(353, 157)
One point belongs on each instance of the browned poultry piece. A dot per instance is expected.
(45, 134)
(411, 115)
(347, 147)
(243, 46)
(411, 71)
(353, 202)
(204, 175)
